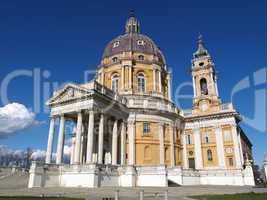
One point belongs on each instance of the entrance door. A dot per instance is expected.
(191, 162)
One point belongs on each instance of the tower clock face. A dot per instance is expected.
(229, 150)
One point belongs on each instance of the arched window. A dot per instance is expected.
(207, 138)
(141, 57)
(203, 86)
(115, 59)
(209, 153)
(188, 139)
(115, 83)
(141, 83)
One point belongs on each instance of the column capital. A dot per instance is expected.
(91, 111)
(124, 121)
(196, 129)
(61, 115)
(161, 124)
(51, 116)
(234, 125)
(216, 126)
(172, 124)
(131, 122)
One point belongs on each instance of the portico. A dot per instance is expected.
(91, 140)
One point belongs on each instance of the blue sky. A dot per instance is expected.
(68, 37)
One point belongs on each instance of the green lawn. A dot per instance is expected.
(37, 198)
(249, 196)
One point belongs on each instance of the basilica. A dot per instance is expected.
(128, 131)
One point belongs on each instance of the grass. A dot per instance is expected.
(37, 198)
(248, 196)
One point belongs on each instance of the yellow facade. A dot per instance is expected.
(147, 145)
(209, 145)
(146, 66)
(228, 146)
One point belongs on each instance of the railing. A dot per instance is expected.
(227, 106)
(148, 102)
(224, 107)
(187, 112)
(94, 85)
(143, 195)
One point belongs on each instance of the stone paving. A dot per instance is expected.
(16, 185)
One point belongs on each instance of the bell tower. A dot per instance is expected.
(206, 97)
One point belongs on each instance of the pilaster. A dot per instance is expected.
(198, 150)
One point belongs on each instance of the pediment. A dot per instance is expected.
(69, 92)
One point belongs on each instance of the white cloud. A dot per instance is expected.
(15, 117)
(38, 154)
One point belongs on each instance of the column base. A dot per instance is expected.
(127, 176)
(152, 176)
(36, 178)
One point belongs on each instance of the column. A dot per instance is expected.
(123, 143)
(241, 150)
(169, 88)
(160, 85)
(216, 86)
(50, 140)
(236, 147)
(60, 144)
(154, 80)
(198, 150)
(220, 147)
(102, 77)
(265, 167)
(101, 139)
(72, 150)
(184, 152)
(115, 142)
(78, 139)
(172, 154)
(161, 144)
(131, 131)
(122, 76)
(90, 137)
(130, 77)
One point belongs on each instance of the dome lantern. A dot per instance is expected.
(132, 24)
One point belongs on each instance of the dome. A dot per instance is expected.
(133, 41)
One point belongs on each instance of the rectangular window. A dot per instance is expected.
(188, 139)
(227, 136)
(146, 128)
(231, 162)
